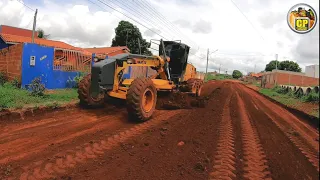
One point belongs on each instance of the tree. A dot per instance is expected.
(127, 35)
(272, 65)
(290, 66)
(283, 65)
(236, 74)
(42, 35)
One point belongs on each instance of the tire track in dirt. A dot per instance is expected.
(224, 160)
(90, 151)
(308, 150)
(310, 154)
(36, 144)
(255, 163)
(287, 119)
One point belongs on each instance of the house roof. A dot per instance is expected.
(16, 31)
(14, 39)
(106, 50)
(256, 75)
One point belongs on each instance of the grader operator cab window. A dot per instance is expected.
(178, 54)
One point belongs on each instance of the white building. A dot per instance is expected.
(312, 71)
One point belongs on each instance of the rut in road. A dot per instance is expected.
(255, 163)
(311, 155)
(91, 151)
(302, 138)
(224, 160)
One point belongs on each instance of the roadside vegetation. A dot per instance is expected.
(308, 103)
(12, 96)
(217, 77)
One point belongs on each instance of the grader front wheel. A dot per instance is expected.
(84, 93)
(141, 99)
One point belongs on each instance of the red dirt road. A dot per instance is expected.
(238, 135)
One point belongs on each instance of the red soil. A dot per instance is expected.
(239, 134)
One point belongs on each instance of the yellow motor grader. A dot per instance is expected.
(106, 79)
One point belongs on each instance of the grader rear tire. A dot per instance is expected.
(84, 93)
(141, 99)
(192, 85)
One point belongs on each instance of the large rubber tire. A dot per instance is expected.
(195, 86)
(192, 85)
(141, 99)
(84, 93)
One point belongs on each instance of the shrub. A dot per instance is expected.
(3, 78)
(37, 88)
(15, 83)
(311, 97)
(279, 90)
(74, 83)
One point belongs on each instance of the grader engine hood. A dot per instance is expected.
(102, 74)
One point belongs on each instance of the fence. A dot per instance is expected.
(72, 61)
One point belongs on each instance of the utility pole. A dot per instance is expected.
(207, 62)
(276, 61)
(139, 46)
(276, 69)
(219, 68)
(208, 58)
(34, 24)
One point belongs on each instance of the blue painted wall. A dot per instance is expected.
(43, 68)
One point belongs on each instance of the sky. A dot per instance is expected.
(240, 34)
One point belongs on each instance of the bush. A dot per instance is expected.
(15, 83)
(279, 90)
(311, 97)
(74, 83)
(37, 88)
(236, 74)
(3, 78)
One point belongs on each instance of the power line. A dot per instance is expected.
(126, 7)
(153, 17)
(170, 23)
(129, 18)
(150, 16)
(26, 5)
(247, 19)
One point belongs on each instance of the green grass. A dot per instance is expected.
(11, 97)
(292, 100)
(282, 98)
(217, 77)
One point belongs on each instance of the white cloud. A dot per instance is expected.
(201, 24)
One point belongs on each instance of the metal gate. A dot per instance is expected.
(71, 61)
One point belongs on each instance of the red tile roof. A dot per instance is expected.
(16, 31)
(106, 50)
(9, 38)
(256, 75)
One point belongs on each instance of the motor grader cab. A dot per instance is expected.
(140, 93)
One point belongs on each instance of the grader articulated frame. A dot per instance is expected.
(140, 93)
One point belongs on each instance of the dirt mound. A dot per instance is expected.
(179, 100)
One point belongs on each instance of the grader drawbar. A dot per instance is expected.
(106, 79)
